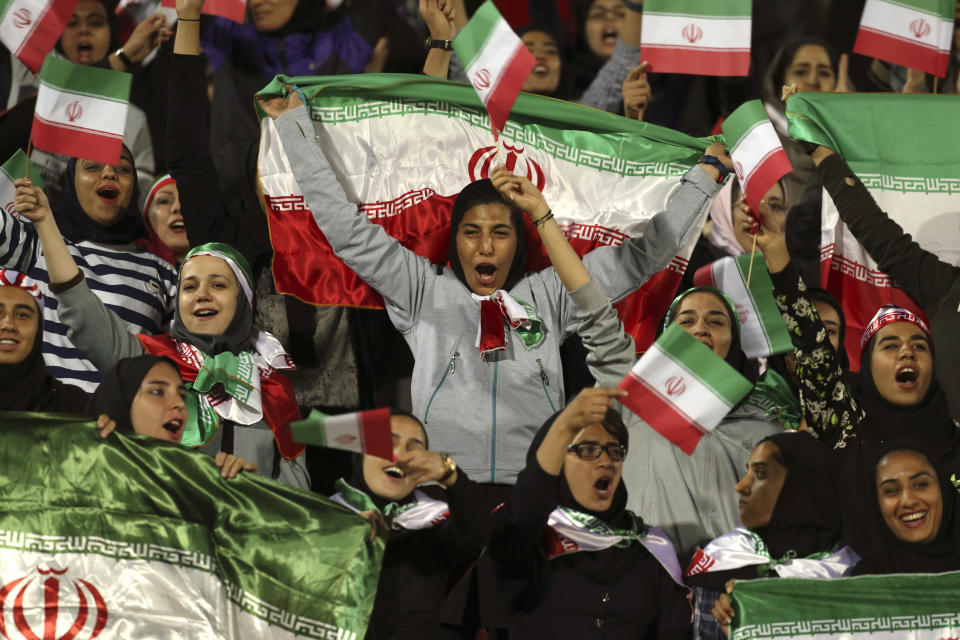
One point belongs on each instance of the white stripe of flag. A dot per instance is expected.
(758, 157)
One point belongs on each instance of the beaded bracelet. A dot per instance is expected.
(539, 221)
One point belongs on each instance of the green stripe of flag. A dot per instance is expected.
(761, 295)
(474, 36)
(4, 7)
(699, 8)
(702, 363)
(937, 8)
(106, 84)
(13, 168)
(740, 122)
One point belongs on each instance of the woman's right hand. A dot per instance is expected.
(31, 202)
(147, 36)
(770, 238)
(723, 610)
(276, 106)
(439, 16)
(588, 407)
(189, 9)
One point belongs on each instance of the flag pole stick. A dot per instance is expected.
(26, 165)
(752, 252)
(936, 79)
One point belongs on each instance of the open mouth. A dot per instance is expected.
(85, 49)
(205, 313)
(9, 344)
(395, 472)
(914, 520)
(603, 487)
(540, 70)
(108, 193)
(177, 226)
(174, 428)
(906, 378)
(486, 272)
(610, 37)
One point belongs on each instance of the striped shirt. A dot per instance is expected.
(136, 285)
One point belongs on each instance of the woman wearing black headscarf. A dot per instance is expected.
(25, 384)
(571, 560)
(905, 483)
(434, 531)
(688, 495)
(101, 223)
(790, 517)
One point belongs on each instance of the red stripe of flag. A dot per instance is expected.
(899, 50)
(49, 28)
(703, 277)
(234, 10)
(501, 99)
(376, 438)
(774, 166)
(75, 142)
(703, 62)
(666, 418)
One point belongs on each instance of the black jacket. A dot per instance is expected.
(559, 598)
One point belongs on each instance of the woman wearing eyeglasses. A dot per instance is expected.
(570, 559)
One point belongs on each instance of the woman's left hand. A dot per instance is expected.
(426, 466)
(148, 35)
(843, 76)
(230, 465)
(276, 106)
(106, 425)
(520, 192)
(723, 610)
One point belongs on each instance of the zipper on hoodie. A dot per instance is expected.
(545, 382)
(493, 445)
(451, 369)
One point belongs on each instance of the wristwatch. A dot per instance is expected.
(449, 467)
(446, 45)
(124, 58)
(714, 161)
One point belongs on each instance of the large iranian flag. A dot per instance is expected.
(758, 157)
(892, 607)
(131, 537)
(702, 37)
(30, 28)
(496, 61)
(682, 389)
(404, 146)
(912, 33)
(81, 110)
(913, 173)
(14, 169)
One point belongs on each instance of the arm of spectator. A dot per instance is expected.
(147, 36)
(398, 274)
(470, 524)
(828, 407)
(605, 90)
(636, 93)
(439, 16)
(917, 271)
(610, 349)
(622, 270)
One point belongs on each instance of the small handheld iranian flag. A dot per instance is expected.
(13, 169)
(496, 61)
(361, 432)
(682, 389)
(763, 331)
(30, 28)
(81, 111)
(758, 156)
(702, 37)
(912, 33)
(231, 9)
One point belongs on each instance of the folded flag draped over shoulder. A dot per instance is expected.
(890, 607)
(758, 157)
(360, 432)
(14, 169)
(404, 146)
(702, 37)
(231, 9)
(913, 33)
(30, 28)
(763, 331)
(496, 61)
(911, 172)
(136, 538)
(682, 389)
(81, 110)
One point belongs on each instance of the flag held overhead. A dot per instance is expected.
(496, 61)
(366, 432)
(682, 389)
(31, 28)
(758, 157)
(913, 33)
(231, 9)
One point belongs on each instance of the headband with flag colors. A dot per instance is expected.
(916, 34)
(81, 110)
(888, 314)
(702, 37)
(158, 184)
(31, 28)
(496, 61)
(763, 331)
(758, 156)
(366, 432)
(234, 259)
(14, 169)
(11, 278)
(682, 389)
(231, 9)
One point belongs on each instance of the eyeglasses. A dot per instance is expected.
(592, 450)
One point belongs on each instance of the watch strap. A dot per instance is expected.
(124, 58)
(714, 161)
(446, 45)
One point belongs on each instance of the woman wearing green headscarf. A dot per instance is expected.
(238, 401)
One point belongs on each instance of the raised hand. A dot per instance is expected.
(426, 466)
(378, 59)
(719, 151)
(276, 106)
(636, 92)
(189, 9)
(916, 81)
(843, 76)
(31, 202)
(520, 192)
(148, 35)
(588, 407)
(440, 17)
(230, 465)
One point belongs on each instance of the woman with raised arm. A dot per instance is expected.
(239, 401)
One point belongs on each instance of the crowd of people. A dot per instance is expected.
(519, 503)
